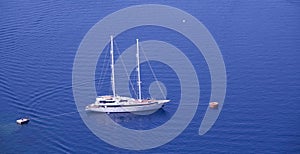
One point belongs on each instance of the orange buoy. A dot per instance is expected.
(213, 105)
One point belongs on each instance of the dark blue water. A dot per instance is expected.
(259, 41)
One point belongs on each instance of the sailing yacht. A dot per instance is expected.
(115, 103)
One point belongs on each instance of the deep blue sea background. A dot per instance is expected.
(259, 41)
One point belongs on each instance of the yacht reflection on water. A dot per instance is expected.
(136, 120)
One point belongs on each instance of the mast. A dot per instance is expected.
(138, 69)
(112, 66)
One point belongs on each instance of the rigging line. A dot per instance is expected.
(128, 77)
(102, 74)
(153, 73)
(80, 84)
(135, 79)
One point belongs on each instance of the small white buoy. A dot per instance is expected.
(183, 20)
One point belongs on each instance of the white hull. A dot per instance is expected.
(112, 104)
(112, 109)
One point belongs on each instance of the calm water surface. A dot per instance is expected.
(259, 41)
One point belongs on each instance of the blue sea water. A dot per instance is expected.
(259, 41)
